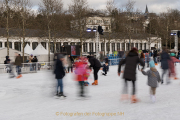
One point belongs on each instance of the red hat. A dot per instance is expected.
(134, 49)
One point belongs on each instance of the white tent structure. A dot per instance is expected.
(3, 54)
(28, 49)
(42, 54)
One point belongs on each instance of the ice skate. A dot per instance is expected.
(95, 82)
(134, 99)
(153, 98)
(176, 78)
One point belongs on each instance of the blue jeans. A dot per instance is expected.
(155, 59)
(18, 69)
(60, 84)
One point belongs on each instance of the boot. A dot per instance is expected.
(95, 82)
(124, 97)
(62, 95)
(176, 78)
(19, 76)
(57, 93)
(134, 99)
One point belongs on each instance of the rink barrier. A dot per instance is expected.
(29, 67)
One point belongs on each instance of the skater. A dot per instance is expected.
(171, 62)
(153, 79)
(164, 65)
(34, 62)
(7, 63)
(96, 65)
(81, 74)
(30, 61)
(59, 74)
(18, 63)
(105, 69)
(70, 62)
(130, 62)
(147, 58)
(155, 56)
(142, 57)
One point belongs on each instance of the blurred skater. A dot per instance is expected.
(9, 67)
(105, 69)
(142, 57)
(70, 62)
(171, 62)
(164, 65)
(18, 63)
(147, 58)
(81, 74)
(153, 79)
(96, 65)
(155, 56)
(130, 62)
(59, 74)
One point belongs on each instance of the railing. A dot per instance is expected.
(28, 67)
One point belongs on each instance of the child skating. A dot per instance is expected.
(153, 79)
(105, 69)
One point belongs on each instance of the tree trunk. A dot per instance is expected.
(23, 45)
(7, 28)
(49, 46)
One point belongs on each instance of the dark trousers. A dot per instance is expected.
(96, 70)
(105, 71)
(70, 68)
(125, 91)
(81, 84)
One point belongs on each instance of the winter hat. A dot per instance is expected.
(151, 63)
(60, 56)
(172, 54)
(134, 49)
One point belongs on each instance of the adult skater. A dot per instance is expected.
(164, 64)
(70, 62)
(59, 73)
(130, 62)
(96, 65)
(18, 63)
(155, 56)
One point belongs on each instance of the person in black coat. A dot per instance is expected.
(164, 64)
(131, 62)
(59, 74)
(34, 61)
(155, 56)
(96, 65)
(105, 69)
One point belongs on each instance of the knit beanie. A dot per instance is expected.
(172, 54)
(151, 63)
(134, 49)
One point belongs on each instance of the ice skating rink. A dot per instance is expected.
(32, 98)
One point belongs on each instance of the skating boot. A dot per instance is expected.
(95, 82)
(176, 78)
(62, 95)
(124, 97)
(153, 99)
(134, 99)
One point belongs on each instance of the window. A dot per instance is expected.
(72, 43)
(127, 46)
(17, 45)
(10, 44)
(0, 44)
(102, 46)
(140, 46)
(123, 46)
(107, 47)
(85, 47)
(144, 46)
(132, 45)
(106, 28)
(113, 47)
(58, 47)
(136, 45)
(44, 44)
(118, 46)
(91, 47)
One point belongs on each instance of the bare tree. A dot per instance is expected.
(49, 8)
(7, 5)
(79, 9)
(23, 7)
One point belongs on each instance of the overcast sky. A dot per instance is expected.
(156, 6)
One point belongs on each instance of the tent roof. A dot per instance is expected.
(40, 50)
(28, 49)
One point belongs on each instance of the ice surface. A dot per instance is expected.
(32, 98)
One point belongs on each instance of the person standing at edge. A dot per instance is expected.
(59, 74)
(96, 65)
(130, 62)
(18, 63)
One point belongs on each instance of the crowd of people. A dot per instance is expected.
(83, 66)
